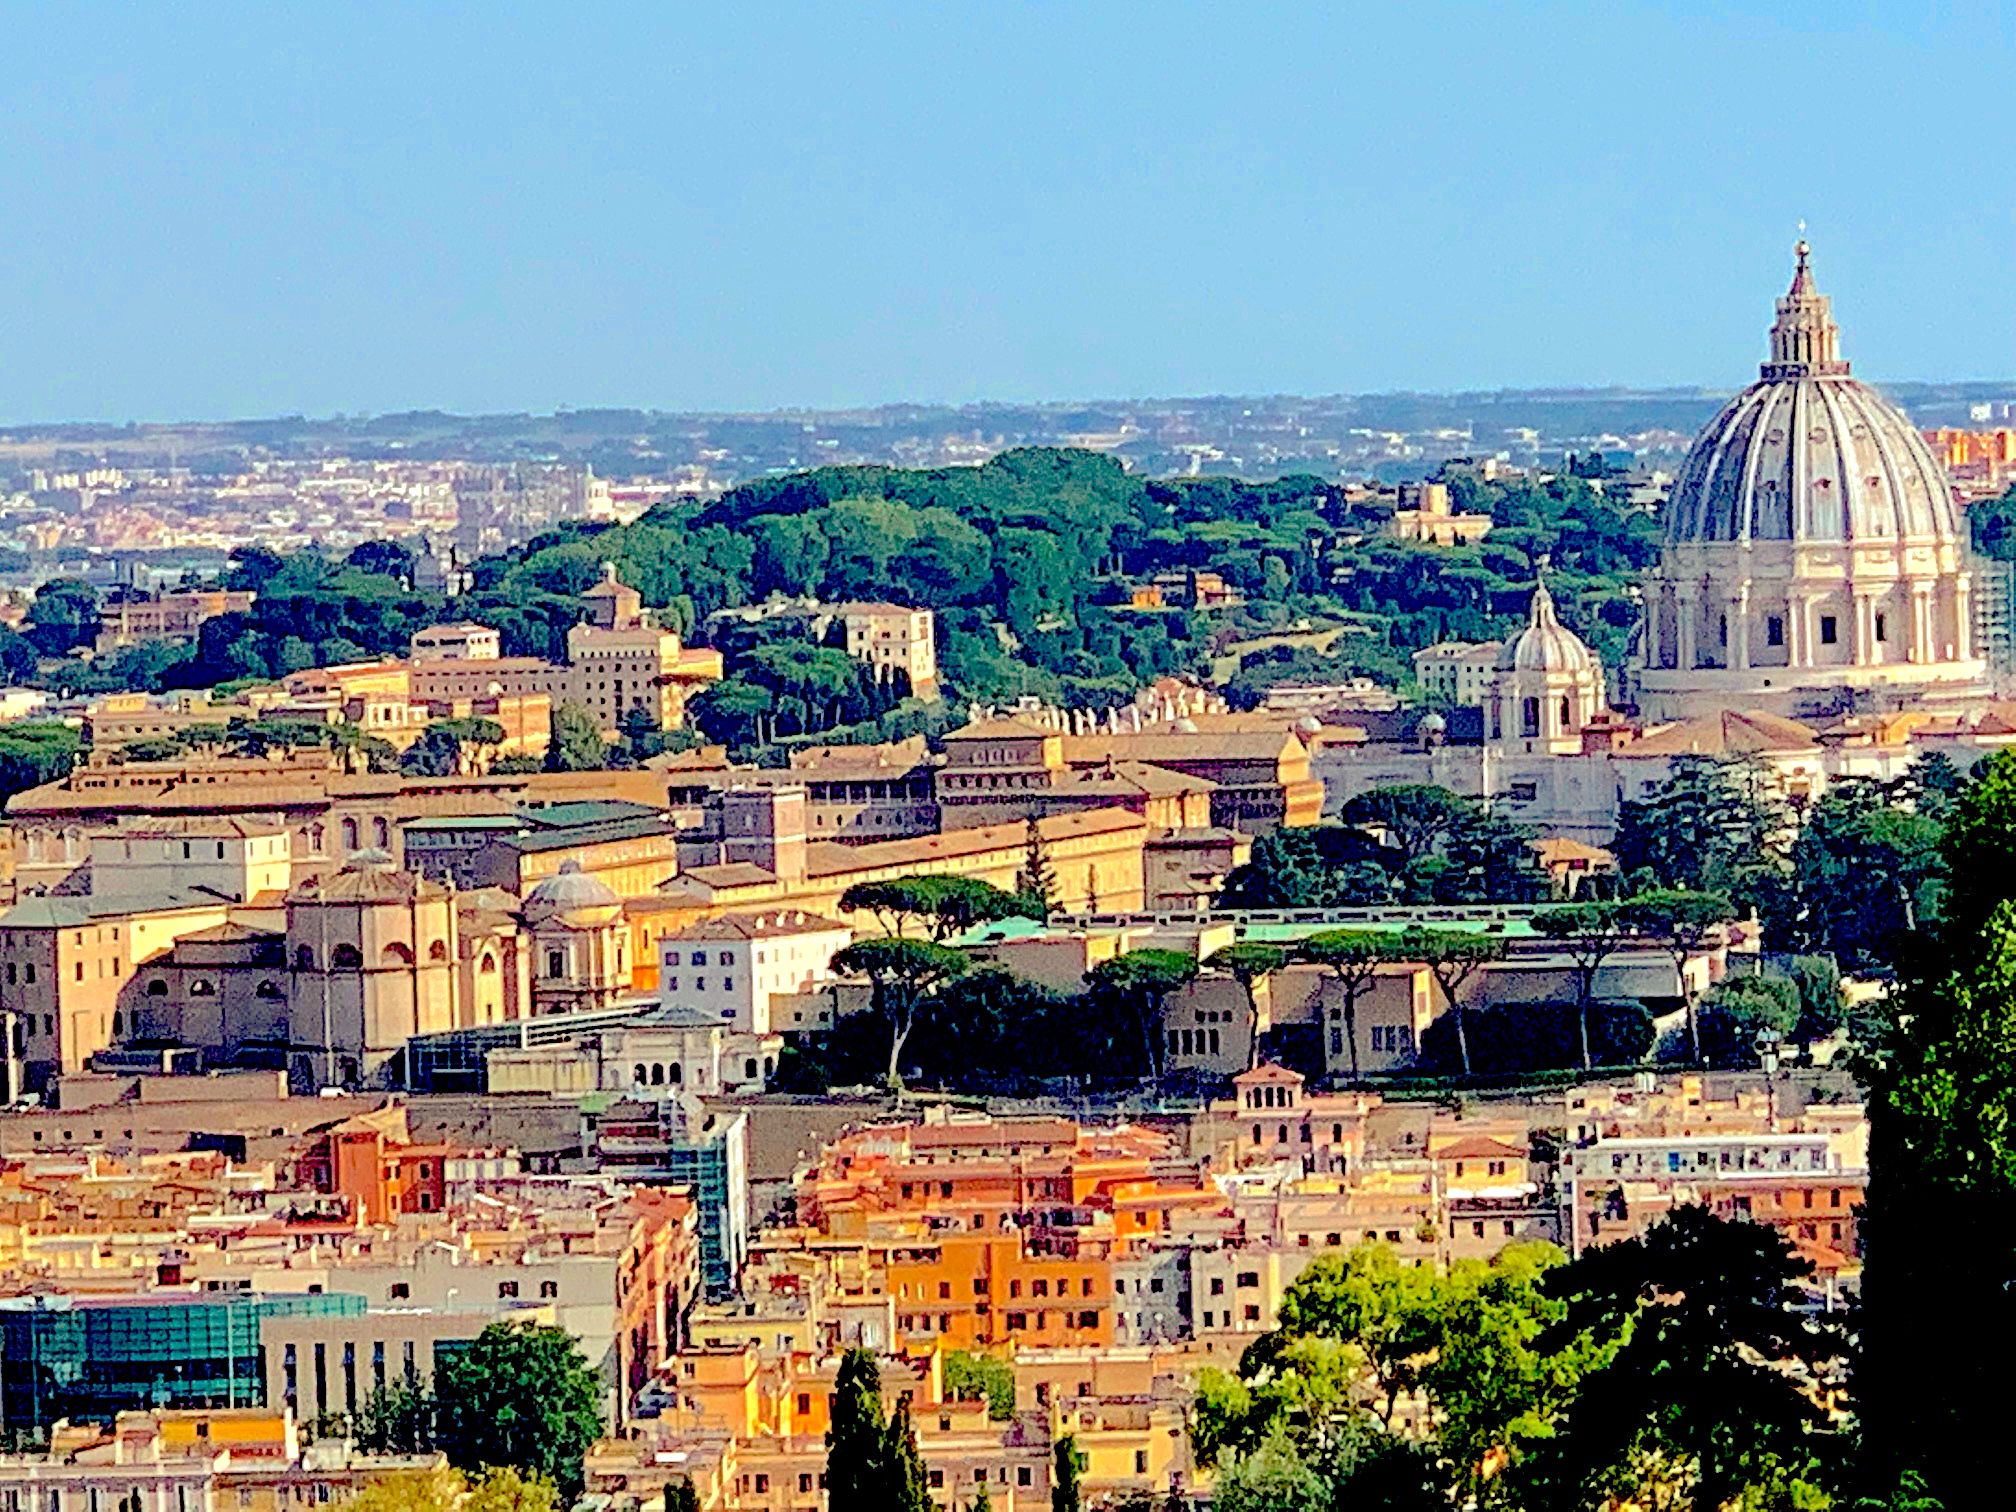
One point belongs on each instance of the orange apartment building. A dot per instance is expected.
(996, 1230)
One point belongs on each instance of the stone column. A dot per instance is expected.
(1655, 601)
(1865, 628)
(1963, 617)
(1739, 628)
(1797, 640)
(1922, 640)
(1685, 617)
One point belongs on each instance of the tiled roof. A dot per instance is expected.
(758, 926)
(830, 859)
(999, 729)
(1178, 745)
(1728, 733)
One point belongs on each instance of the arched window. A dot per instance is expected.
(316, 835)
(267, 989)
(637, 1074)
(1567, 715)
(657, 1076)
(438, 951)
(202, 988)
(304, 958)
(346, 958)
(157, 988)
(349, 835)
(381, 833)
(396, 954)
(488, 965)
(678, 1073)
(1529, 717)
(118, 1024)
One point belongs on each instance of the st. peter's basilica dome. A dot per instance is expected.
(1814, 559)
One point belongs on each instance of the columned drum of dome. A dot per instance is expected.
(1815, 559)
(1547, 687)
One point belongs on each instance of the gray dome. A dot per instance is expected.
(571, 888)
(371, 858)
(1545, 645)
(1809, 454)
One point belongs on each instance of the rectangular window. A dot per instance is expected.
(1882, 627)
(1774, 630)
(1524, 792)
(1830, 630)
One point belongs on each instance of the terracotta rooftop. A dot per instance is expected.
(1728, 733)
(1181, 745)
(827, 858)
(1000, 729)
(758, 926)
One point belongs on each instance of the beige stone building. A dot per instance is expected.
(894, 638)
(1426, 515)
(64, 963)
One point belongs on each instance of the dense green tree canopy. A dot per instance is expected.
(520, 1396)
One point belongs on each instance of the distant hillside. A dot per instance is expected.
(1249, 436)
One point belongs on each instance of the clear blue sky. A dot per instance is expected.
(212, 211)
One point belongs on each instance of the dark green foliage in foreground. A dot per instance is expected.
(1666, 1370)
(1939, 1316)
(521, 1396)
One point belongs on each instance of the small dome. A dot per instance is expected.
(1308, 724)
(570, 889)
(1545, 645)
(1432, 724)
(371, 858)
(1185, 726)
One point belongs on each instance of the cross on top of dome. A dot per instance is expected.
(1805, 341)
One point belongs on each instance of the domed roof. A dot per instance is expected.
(570, 889)
(1545, 645)
(1809, 454)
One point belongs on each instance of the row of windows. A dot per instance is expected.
(699, 983)
(1308, 1134)
(699, 958)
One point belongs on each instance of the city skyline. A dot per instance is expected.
(356, 215)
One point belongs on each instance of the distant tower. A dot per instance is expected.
(765, 826)
(612, 603)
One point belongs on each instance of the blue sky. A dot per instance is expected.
(238, 210)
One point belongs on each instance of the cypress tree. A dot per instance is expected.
(1064, 1493)
(857, 1443)
(908, 1486)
